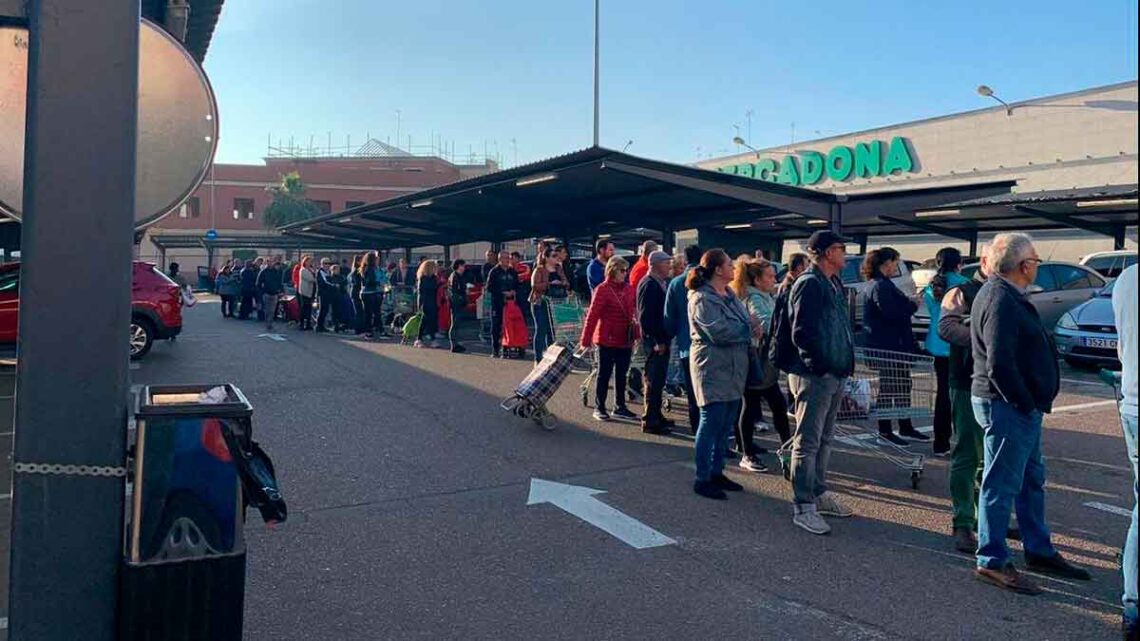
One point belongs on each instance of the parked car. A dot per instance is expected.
(1086, 334)
(1059, 287)
(156, 307)
(1110, 264)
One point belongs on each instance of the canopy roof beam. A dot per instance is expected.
(930, 229)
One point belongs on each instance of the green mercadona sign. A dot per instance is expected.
(864, 160)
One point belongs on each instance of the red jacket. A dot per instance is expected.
(640, 270)
(613, 311)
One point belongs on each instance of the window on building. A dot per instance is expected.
(324, 206)
(243, 208)
(195, 207)
(353, 203)
(184, 210)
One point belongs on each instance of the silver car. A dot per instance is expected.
(1059, 287)
(1086, 334)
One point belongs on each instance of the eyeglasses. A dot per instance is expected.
(1034, 260)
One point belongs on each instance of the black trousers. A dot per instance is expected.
(371, 316)
(305, 303)
(943, 410)
(328, 304)
(754, 411)
(656, 371)
(610, 359)
(894, 393)
(246, 305)
(690, 397)
(227, 305)
(358, 307)
(496, 329)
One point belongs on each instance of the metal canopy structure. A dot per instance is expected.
(197, 17)
(583, 194)
(164, 242)
(1108, 210)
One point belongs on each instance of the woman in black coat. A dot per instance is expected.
(887, 316)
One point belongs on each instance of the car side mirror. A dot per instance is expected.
(1034, 289)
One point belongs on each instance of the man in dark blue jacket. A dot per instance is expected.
(822, 357)
(1016, 379)
(271, 284)
(655, 339)
(249, 287)
(677, 324)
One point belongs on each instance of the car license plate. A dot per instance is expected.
(1099, 343)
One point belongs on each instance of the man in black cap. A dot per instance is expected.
(819, 359)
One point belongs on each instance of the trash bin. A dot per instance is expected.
(183, 574)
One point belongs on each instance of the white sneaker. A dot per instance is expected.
(418, 344)
(752, 464)
(829, 504)
(811, 521)
(761, 426)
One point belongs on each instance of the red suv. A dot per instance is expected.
(156, 306)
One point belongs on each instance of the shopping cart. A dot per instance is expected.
(398, 307)
(567, 317)
(634, 386)
(675, 383)
(885, 385)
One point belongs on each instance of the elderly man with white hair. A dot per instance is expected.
(1016, 379)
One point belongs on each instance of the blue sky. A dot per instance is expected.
(677, 75)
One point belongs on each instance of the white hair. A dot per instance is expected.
(1008, 251)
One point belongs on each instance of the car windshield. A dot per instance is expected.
(1106, 291)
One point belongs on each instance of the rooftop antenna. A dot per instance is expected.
(627, 146)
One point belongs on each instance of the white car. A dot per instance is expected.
(1110, 264)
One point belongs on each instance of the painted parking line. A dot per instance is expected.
(3, 623)
(1083, 406)
(1111, 509)
(1077, 381)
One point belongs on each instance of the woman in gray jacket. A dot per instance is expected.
(721, 331)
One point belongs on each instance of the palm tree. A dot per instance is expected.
(289, 203)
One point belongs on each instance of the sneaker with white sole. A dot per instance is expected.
(811, 521)
(761, 426)
(753, 464)
(828, 504)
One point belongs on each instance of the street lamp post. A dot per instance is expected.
(985, 91)
(597, 69)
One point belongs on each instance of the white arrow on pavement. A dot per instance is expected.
(580, 502)
(274, 337)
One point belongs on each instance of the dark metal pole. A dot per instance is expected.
(1119, 236)
(597, 71)
(974, 243)
(71, 398)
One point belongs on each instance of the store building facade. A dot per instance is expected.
(1077, 140)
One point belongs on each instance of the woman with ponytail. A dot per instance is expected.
(722, 331)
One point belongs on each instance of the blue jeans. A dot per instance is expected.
(1013, 477)
(1129, 600)
(543, 334)
(717, 422)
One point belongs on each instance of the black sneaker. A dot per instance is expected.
(458, 349)
(914, 435)
(1056, 566)
(623, 412)
(709, 491)
(891, 437)
(728, 485)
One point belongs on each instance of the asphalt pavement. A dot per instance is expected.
(408, 492)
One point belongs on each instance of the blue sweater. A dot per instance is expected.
(595, 274)
(677, 313)
(934, 343)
